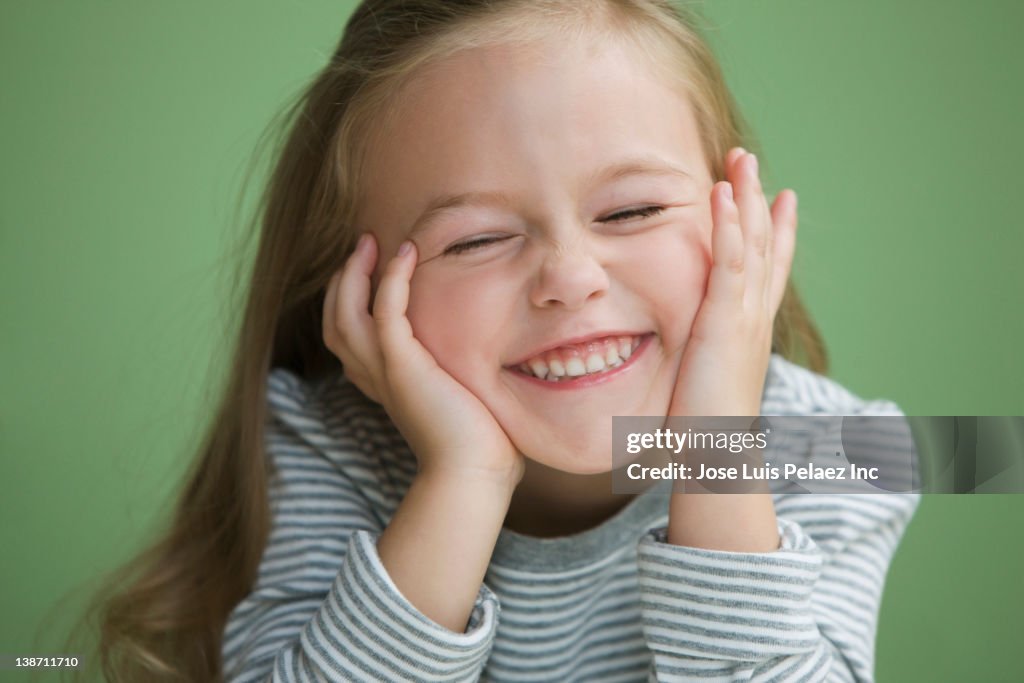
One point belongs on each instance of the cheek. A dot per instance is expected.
(675, 265)
(433, 322)
(453, 322)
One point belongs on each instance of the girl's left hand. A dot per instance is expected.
(726, 357)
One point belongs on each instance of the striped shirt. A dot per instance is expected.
(612, 603)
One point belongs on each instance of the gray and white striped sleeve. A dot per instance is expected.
(323, 606)
(807, 611)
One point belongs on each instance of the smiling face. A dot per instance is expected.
(598, 247)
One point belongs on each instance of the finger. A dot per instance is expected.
(734, 158)
(731, 157)
(726, 282)
(391, 303)
(784, 217)
(356, 331)
(769, 251)
(752, 221)
(329, 317)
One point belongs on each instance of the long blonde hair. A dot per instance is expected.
(161, 616)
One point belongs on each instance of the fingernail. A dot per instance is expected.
(404, 248)
(728, 191)
(364, 239)
(754, 157)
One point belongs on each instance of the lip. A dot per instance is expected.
(584, 381)
(583, 339)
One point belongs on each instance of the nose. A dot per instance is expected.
(569, 277)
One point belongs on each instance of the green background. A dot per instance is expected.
(125, 130)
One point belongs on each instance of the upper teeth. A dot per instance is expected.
(584, 359)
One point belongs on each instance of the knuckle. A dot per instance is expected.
(734, 264)
(381, 315)
(393, 267)
(386, 311)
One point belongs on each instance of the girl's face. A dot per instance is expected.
(560, 203)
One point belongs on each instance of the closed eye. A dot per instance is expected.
(462, 247)
(643, 212)
(475, 243)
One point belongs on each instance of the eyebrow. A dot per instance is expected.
(627, 167)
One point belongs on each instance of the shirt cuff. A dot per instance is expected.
(716, 604)
(366, 604)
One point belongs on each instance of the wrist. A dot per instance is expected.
(438, 544)
(488, 481)
(729, 522)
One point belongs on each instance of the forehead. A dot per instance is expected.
(510, 117)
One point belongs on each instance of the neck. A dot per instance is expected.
(549, 502)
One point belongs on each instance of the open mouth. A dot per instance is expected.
(577, 362)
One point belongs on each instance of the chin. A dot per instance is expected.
(577, 461)
(585, 468)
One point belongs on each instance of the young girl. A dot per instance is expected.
(494, 226)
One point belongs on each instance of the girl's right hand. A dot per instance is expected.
(450, 431)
